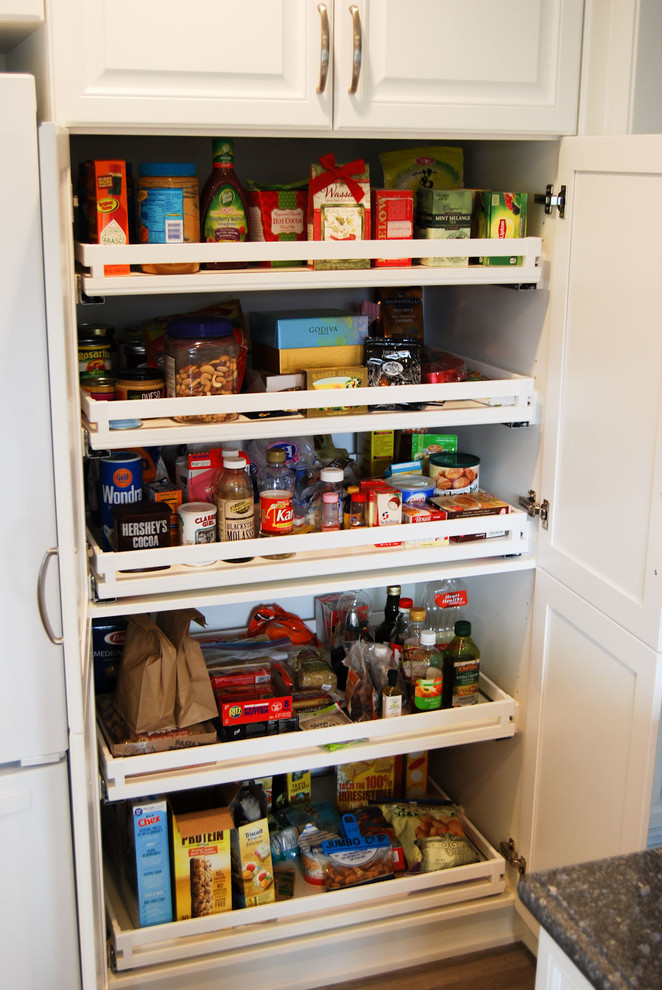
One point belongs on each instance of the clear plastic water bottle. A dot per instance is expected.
(275, 484)
(445, 602)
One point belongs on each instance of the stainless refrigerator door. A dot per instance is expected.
(38, 934)
(33, 718)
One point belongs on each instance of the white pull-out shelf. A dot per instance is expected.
(93, 257)
(375, 548)
(221, 763)
(311, 910)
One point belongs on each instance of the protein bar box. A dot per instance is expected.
(200, 842)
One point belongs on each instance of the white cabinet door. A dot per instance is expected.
(436, 66)
(204, 63)
(591, 719)
(602, 457)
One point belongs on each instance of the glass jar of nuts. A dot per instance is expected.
(201, 359)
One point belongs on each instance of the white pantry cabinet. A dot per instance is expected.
(382, 67)
(18, 19)
(568, 633)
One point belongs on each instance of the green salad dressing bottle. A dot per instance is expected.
(461, 669)
(223, 209)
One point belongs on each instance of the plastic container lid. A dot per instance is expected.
(332, 474)
(447, 459)
(139, 375)
(94, 331)
(157, 169)
(203, 327)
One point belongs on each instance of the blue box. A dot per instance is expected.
(308, 328)
(146, 856)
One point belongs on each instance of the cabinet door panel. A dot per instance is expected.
(602, 458)
(434, 66)
(235, 65)
(590, 728)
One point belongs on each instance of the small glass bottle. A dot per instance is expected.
(347, 501)
(235, 519)
(391, 695)
(399, 629)
(461, 668)
(332, 480)
(383, 630)
(357, 510)
(275, 485)
(329, 519)
(428, 686)
(414, 657)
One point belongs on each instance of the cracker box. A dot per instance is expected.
(422, 514)
(337, 379)
(339, 207)
(252, 867)
(444, 214)
(146, 860)
(254, 703)
(392, 219)
(502, 215)
(479, 503)
(360, 783)
(277, 215)
(107, 207)
(200, 840)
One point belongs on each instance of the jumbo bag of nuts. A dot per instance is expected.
(201, 359)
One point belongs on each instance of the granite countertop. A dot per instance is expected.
(606, 915)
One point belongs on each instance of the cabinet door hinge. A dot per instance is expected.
(509, 853)
(550, 200)
(535, 508)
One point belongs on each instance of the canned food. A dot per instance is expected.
(454, 473)
(413, 487)
(98, 387)
(120, 483)
(139, 383)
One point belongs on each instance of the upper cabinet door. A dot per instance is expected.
(602, 456)
(438, 66)
(204, 63)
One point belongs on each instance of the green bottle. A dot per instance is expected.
(223, 208)
(461, 669)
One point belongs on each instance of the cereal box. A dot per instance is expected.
(107, 207)
(201, 860)
(360, 783)
(392, 219)
(339, 207)
(146, 861)
(502, 215)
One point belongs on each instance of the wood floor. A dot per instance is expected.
(512, 967)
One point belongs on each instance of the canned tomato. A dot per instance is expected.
(139, 383)
(454, 474)
(120, 483)
(98, 387)
(95, 349)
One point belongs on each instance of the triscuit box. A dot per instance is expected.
(339, 207)
(308, 328)
(360, 783)
(336, 380)
(252, 867)
(500, 215)
(201, 859)
(444, 214)
(295, 360)
(146, 860)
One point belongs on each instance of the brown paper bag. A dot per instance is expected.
(146, 683)
(194, 696)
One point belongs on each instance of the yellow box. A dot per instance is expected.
(252, 868)
(294, 360)
(200, 848)
(358, 784)
(415, 775)
(298, 786)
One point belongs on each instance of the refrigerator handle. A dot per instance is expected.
(43, 613)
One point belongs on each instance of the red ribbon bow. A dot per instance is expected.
(339, 173)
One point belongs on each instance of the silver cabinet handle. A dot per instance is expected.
(357, 49)
(43, 613)
(324, 49)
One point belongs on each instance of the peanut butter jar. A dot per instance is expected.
(169, 201)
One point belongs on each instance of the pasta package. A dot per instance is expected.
(431, 834)
(429, 167)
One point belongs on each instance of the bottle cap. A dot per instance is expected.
(417, 614)
(276, 456)
(234, 463)
(329, 497)
(393, 589)
(392, 676)
(405, 604)
(358, 497)
(428, 637)
(332, 474)
(462, 628)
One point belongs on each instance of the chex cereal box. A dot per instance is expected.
(146, 861)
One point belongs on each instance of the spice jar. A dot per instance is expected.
(96, 344)
(201, 359)
(169, 211)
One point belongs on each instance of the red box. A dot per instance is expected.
(254, 703)
(107, 207)
(392, 219)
